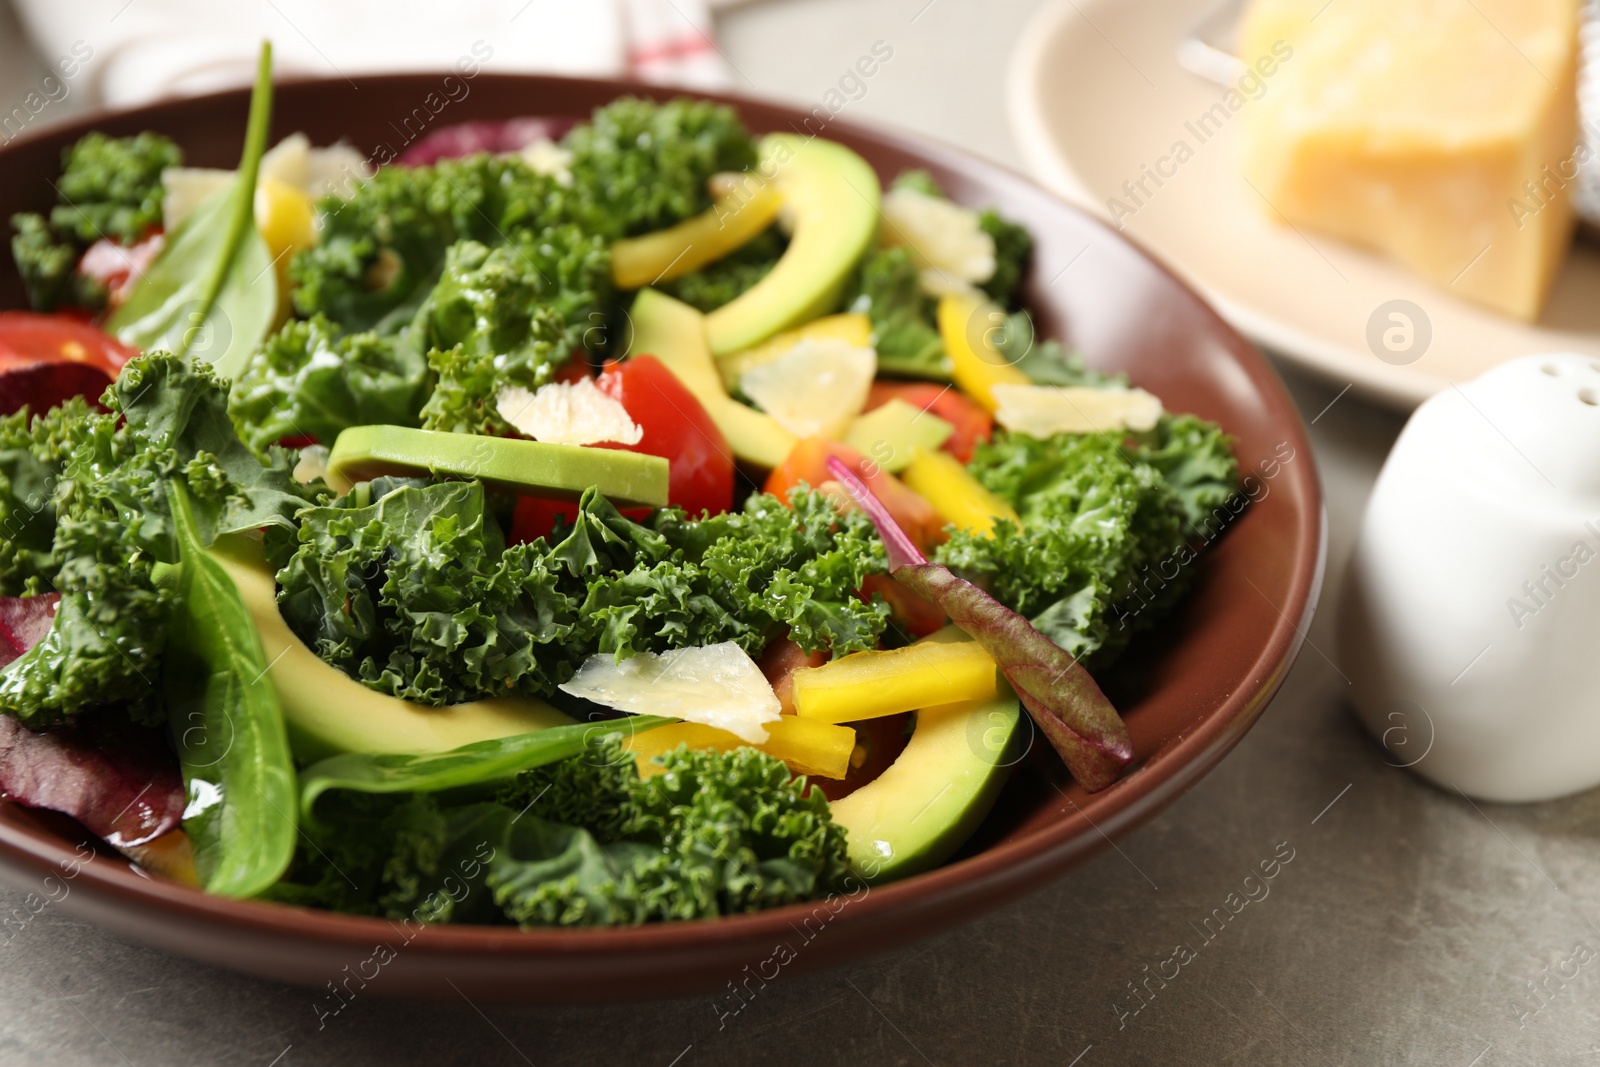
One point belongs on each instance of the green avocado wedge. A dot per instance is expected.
(564, 471)
(675, 333)
(832, 197)
(914, 815)
(326, 712)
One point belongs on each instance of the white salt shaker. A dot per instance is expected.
(1471, 624)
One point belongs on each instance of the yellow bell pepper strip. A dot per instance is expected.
(731, 222)
(866, 685)
(287, 221)
(675, 333)
(850, 327)
(966, 325)
(809, 747)
(958, 497)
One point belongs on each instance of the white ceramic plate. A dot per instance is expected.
(1097, 99)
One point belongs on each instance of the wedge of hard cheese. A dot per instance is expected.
(1441, 132)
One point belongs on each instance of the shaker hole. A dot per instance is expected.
(1590, 397)
(1550, 369)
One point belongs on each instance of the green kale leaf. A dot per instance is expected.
(99, 485)
(1012, 247)
(382, 249)
(307, 381)
(1105, 531)
(888, 290)
(111, 187)
(714, 833)
(48, 266)
(414, 595)
(582, 842)
(639, 166)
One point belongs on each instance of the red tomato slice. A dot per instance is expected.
(779, 662)
(972, 423)
(29, 338)
(675, 426)
(916, 615)
(44, 359)
(807, 462)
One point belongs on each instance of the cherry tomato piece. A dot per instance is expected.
(26, 338)
(117, 266)
(779, 662)
(675, 426)
(807, 462)
(916, 615)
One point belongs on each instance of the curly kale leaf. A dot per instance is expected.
(34, 454)
(1104, 529)
(1013, 244)
(414, 595)
(729, 278)
(382, 249)
(48, 266)
(711, 833)
(888, 289)
(1196, 459)
(306, 381)
(367, 854)
(101, 484)
(111, 186)
(769, 567)
(639, 165)
(584, 842)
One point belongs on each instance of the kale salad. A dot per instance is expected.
(653, 521)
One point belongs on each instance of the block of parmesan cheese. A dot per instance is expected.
(1441, 132)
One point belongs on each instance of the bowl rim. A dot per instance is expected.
(1017, 865)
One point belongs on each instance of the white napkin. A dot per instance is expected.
(139, 50)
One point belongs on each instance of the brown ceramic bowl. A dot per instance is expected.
(1189, 692)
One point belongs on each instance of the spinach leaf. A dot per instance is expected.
(227, 726)
(480, 763)
(211, 292)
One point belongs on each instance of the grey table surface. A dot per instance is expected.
(1409, 927)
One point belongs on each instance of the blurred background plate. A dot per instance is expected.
(1097, 97)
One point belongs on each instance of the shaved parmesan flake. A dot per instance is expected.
(337, 169)
(716, 685)
(951, 251)
(568, 413)
(546, 157)
(311, 464)
(1043, 410)
(815, 388)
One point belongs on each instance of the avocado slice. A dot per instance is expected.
(832, 197)
(363, 452)
(914, 815)
(675, 333)
(891, 434)
(328, 712)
